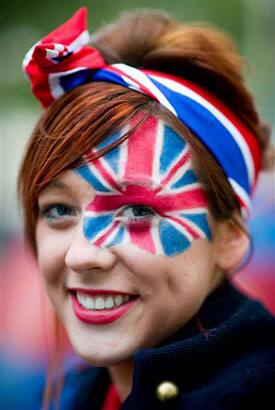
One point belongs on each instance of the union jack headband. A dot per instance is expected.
(63, 60)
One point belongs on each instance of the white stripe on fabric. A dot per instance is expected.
(54, 81)
(28, 58)
(82, 40)
(241, 193)
(239, 139)
(146, 82)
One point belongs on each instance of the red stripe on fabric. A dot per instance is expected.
(179, 221)
(112, 400)
(141, 150)
(142, 88)
(248, 136)
(70, 30)
(140, 234)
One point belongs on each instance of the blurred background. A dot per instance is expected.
(24, 311)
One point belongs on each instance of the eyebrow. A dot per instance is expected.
(56, 184)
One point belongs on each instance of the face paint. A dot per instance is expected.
(146, 193)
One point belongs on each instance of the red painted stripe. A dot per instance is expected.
(141, 150)
(105, 174)
(189, 229)
(182, 161)
(141, 236)
(102, 239)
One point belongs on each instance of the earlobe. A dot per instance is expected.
(232, 246)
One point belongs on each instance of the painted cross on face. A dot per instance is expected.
(147, 193)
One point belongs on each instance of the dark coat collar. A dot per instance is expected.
(233, 328)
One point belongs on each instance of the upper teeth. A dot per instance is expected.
(101, 302)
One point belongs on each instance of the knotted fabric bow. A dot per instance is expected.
(63, 60)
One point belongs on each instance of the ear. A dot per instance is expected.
(232, 244)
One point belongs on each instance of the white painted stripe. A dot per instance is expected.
(102, 180)
(146, 82)
(181, 89)
(181, 229)
(110, 238)
(173, 191)
(156, 177)
(101, 233)
(194, 226)
(96, 214)
(156, 238)
(196, 211)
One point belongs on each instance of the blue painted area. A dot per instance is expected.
(173, 241)
(108, 140)
(112, 157)
(201, 221)
(188, 178)
(118, 237)
(172, 147)
(92, 226)
(86, 173)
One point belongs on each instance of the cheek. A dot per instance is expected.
(50, 254)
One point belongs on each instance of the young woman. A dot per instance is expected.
(136, 185)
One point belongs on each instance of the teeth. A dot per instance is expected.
(101, 302)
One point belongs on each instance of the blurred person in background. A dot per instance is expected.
(136, 187)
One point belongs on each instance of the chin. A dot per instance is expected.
(101, 357)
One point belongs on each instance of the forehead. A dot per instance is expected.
(145, 156)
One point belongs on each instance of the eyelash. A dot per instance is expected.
(68, 213)
(55, 219)
(137, 219)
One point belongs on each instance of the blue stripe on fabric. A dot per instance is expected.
(105, 75)
(87, 174)
(201, 221)
(118, 237)
(173, 146)
(187, 178)
(173, 241)
(72, 80)
(93, 225)
(212, 133)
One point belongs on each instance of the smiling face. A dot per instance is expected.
(124, 242)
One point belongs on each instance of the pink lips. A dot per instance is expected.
(100, 317)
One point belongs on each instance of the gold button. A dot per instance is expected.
(167, 391)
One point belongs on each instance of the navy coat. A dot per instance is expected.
(232, 367)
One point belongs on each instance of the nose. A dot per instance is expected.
(82, 256)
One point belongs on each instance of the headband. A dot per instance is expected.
(63, 60)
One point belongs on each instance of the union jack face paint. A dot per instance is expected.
(146, 193)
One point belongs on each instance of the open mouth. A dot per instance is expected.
(101, 308)
(102, 302)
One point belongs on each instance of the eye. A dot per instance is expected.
(57, 213)
(136, 213)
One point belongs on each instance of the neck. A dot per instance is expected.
(122, 377)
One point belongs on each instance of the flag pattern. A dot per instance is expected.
(64, 60)
(147, 193)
